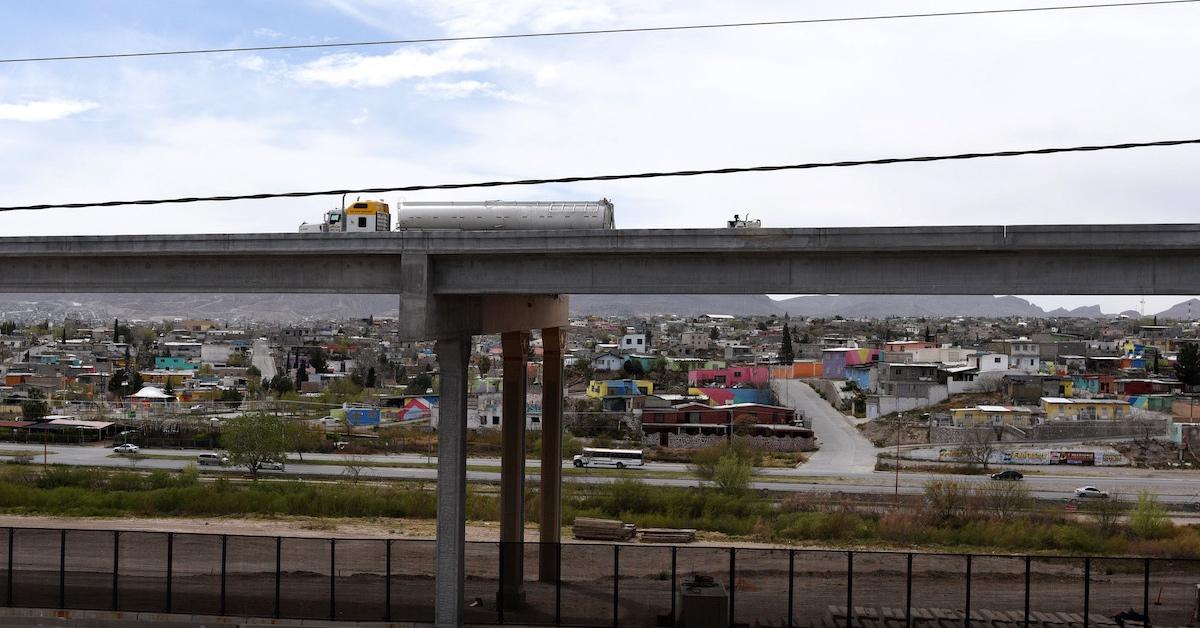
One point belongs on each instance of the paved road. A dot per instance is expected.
(260, 357)
(844, 450)
(1174, 487)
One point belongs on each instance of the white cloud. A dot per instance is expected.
(456, 89)
(355, 70)
(44, 110)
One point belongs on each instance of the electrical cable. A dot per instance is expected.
(605, 177)
(605, 31)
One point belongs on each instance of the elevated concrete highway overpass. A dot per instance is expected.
(454, 284)
(1052, 259)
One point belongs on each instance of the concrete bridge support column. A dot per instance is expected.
(515, 345)
(551, 482)
(453, 356)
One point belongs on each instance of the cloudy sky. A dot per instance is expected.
(282, 121)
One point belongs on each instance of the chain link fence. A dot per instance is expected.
(597, 584)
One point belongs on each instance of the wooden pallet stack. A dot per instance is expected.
(673, 536)
(603, 529)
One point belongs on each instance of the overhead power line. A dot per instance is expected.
(604, 31)
(603, 177)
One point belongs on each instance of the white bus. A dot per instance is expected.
(619, 458)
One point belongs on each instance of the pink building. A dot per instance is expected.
(731, 376)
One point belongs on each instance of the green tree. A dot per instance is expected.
(714, 333)
(634, 368)
(35, 406)
(372, 381)
(281, 384)
(253, 439)
(8, 328)
(483, 362)
(732, 474)
(301, 377)
(303, 437)
(318, 359)
(169, 388)
(1187, 364)
(135, 381)
(419, 384)
(116, 383)
(1149, 519)
(787, 354)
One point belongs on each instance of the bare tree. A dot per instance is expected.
(978, 443)
(1145, 432)
(1002, 500)
(1107, 512)
(353, 467)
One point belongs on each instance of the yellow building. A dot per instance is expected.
(1062, 409)
(599, 389)
(992, 416)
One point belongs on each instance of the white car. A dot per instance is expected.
(270, 464)
(1090, 491)
(127, 448)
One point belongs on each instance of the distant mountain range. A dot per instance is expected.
(297, 307)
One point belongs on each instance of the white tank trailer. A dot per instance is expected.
(504, 215)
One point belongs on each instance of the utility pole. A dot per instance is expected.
(896, 461)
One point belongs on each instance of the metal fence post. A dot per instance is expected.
(1146, 591)
(278, 573)
(224, 561)
(791, 586)
(967, 602)
(908, 593)
(500, 582)
(616, 604)
(9, 597)
(1028, 562)
(849, 588)
(387, 580)
(332, 579)
(733, 574)
(116, 591)
(62, 568)
(674, 583)
(558, 583)
(1087, 588)
(170, 565)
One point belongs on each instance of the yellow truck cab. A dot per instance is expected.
(358, 217)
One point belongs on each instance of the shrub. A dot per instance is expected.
(1148, 519)
(732, 474)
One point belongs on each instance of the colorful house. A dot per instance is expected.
(731, 376)
(834, 361)
(1062, 409)
(599, 389)
(992, 416)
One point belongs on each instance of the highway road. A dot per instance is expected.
(1179, 487)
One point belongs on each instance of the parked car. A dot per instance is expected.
(127, 448)
(1090, 491)
(212, 459)
(274, 465)
(1008, 475)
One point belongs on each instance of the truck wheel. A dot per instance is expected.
(620, 465)
(578, 464)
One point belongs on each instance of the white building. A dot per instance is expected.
(607, 362)
(632, 343)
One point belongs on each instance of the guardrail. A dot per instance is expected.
(597, 585)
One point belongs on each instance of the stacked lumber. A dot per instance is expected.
(603, 529)
(668, 535)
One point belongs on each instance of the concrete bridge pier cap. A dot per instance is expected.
(453, 320)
